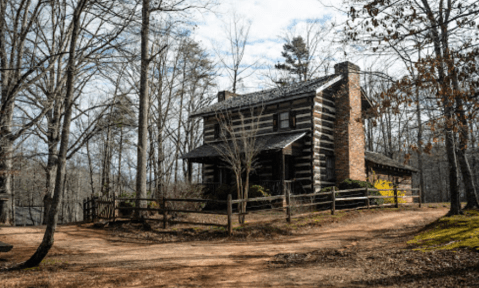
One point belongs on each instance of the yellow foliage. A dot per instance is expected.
(383, 184)
(451, 232)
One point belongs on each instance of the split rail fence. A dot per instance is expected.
(95, 208)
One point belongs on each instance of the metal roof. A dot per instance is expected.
(267, 142)
(386, 161)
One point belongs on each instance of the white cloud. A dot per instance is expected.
(269, 19)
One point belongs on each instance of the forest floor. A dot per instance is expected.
(350, 249)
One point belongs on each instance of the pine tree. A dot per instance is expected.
(296, 63)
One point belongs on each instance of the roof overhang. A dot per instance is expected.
(329, 83)
(267, 143)
(388, 163)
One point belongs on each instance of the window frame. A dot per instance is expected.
(291, 120)
(330, 168)
(287, 120)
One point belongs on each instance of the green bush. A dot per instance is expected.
(257, 191)
(222, 191)
(353, 184)
(329, 189)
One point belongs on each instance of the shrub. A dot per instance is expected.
(256, 191)
(329, 189)
(126, 204)
(184, 190)
(221, 192)
(383, 184)
(353, 184)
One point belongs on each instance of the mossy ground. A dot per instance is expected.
(450, 233)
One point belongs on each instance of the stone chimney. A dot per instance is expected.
(349, 139)
(225, 95)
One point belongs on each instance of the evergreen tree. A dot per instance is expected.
(296, 55)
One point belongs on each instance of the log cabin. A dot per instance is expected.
(312, 132)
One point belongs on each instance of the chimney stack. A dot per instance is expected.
(225, 95)
(349, 138)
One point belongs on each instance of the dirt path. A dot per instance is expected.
(89, 258)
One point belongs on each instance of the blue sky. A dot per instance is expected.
(269, 21)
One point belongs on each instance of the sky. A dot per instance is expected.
(269, 20)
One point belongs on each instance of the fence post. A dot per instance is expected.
(165, 213)
(396, 203)
(367, 196)
(84, 210)
(88, 209)
(93, 209)
(230, 214)
(24, 217)
(420, 200)
(333, 203)
(114, 206)
(288, 205)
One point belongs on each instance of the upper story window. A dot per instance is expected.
(284, 120)
(217, 131)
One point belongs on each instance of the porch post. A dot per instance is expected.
(283, 178)
(189, 171)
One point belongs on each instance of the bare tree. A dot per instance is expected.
(388, 25)
(236, 30)
(22, 63)
(240, 147)
(147, 8)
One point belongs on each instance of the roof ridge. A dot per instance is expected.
(265, 96)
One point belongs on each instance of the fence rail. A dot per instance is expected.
(107, 207)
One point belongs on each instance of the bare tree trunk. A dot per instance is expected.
(178, 135)
(143, 112)
(105, 178)
(118, 181)
(419, 146)
(6, 153)
(51, 170)
(90, 167)
(471, 195)
(452, 167)
(52, 220)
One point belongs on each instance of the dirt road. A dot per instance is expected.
(89, 258)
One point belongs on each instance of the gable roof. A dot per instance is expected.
(382, 159)
(272, 95)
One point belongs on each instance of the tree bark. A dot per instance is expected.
(143, 111)
(471, 194)
(48, 238)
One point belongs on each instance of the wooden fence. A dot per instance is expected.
(106, 208)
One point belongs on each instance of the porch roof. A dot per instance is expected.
(381, 159)
(268, 143)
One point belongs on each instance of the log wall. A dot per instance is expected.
(302, 109)
(324, 115)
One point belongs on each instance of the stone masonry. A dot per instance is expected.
(348, 131)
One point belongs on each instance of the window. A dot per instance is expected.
(217, 131)
(330, 168)
(284, 120)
